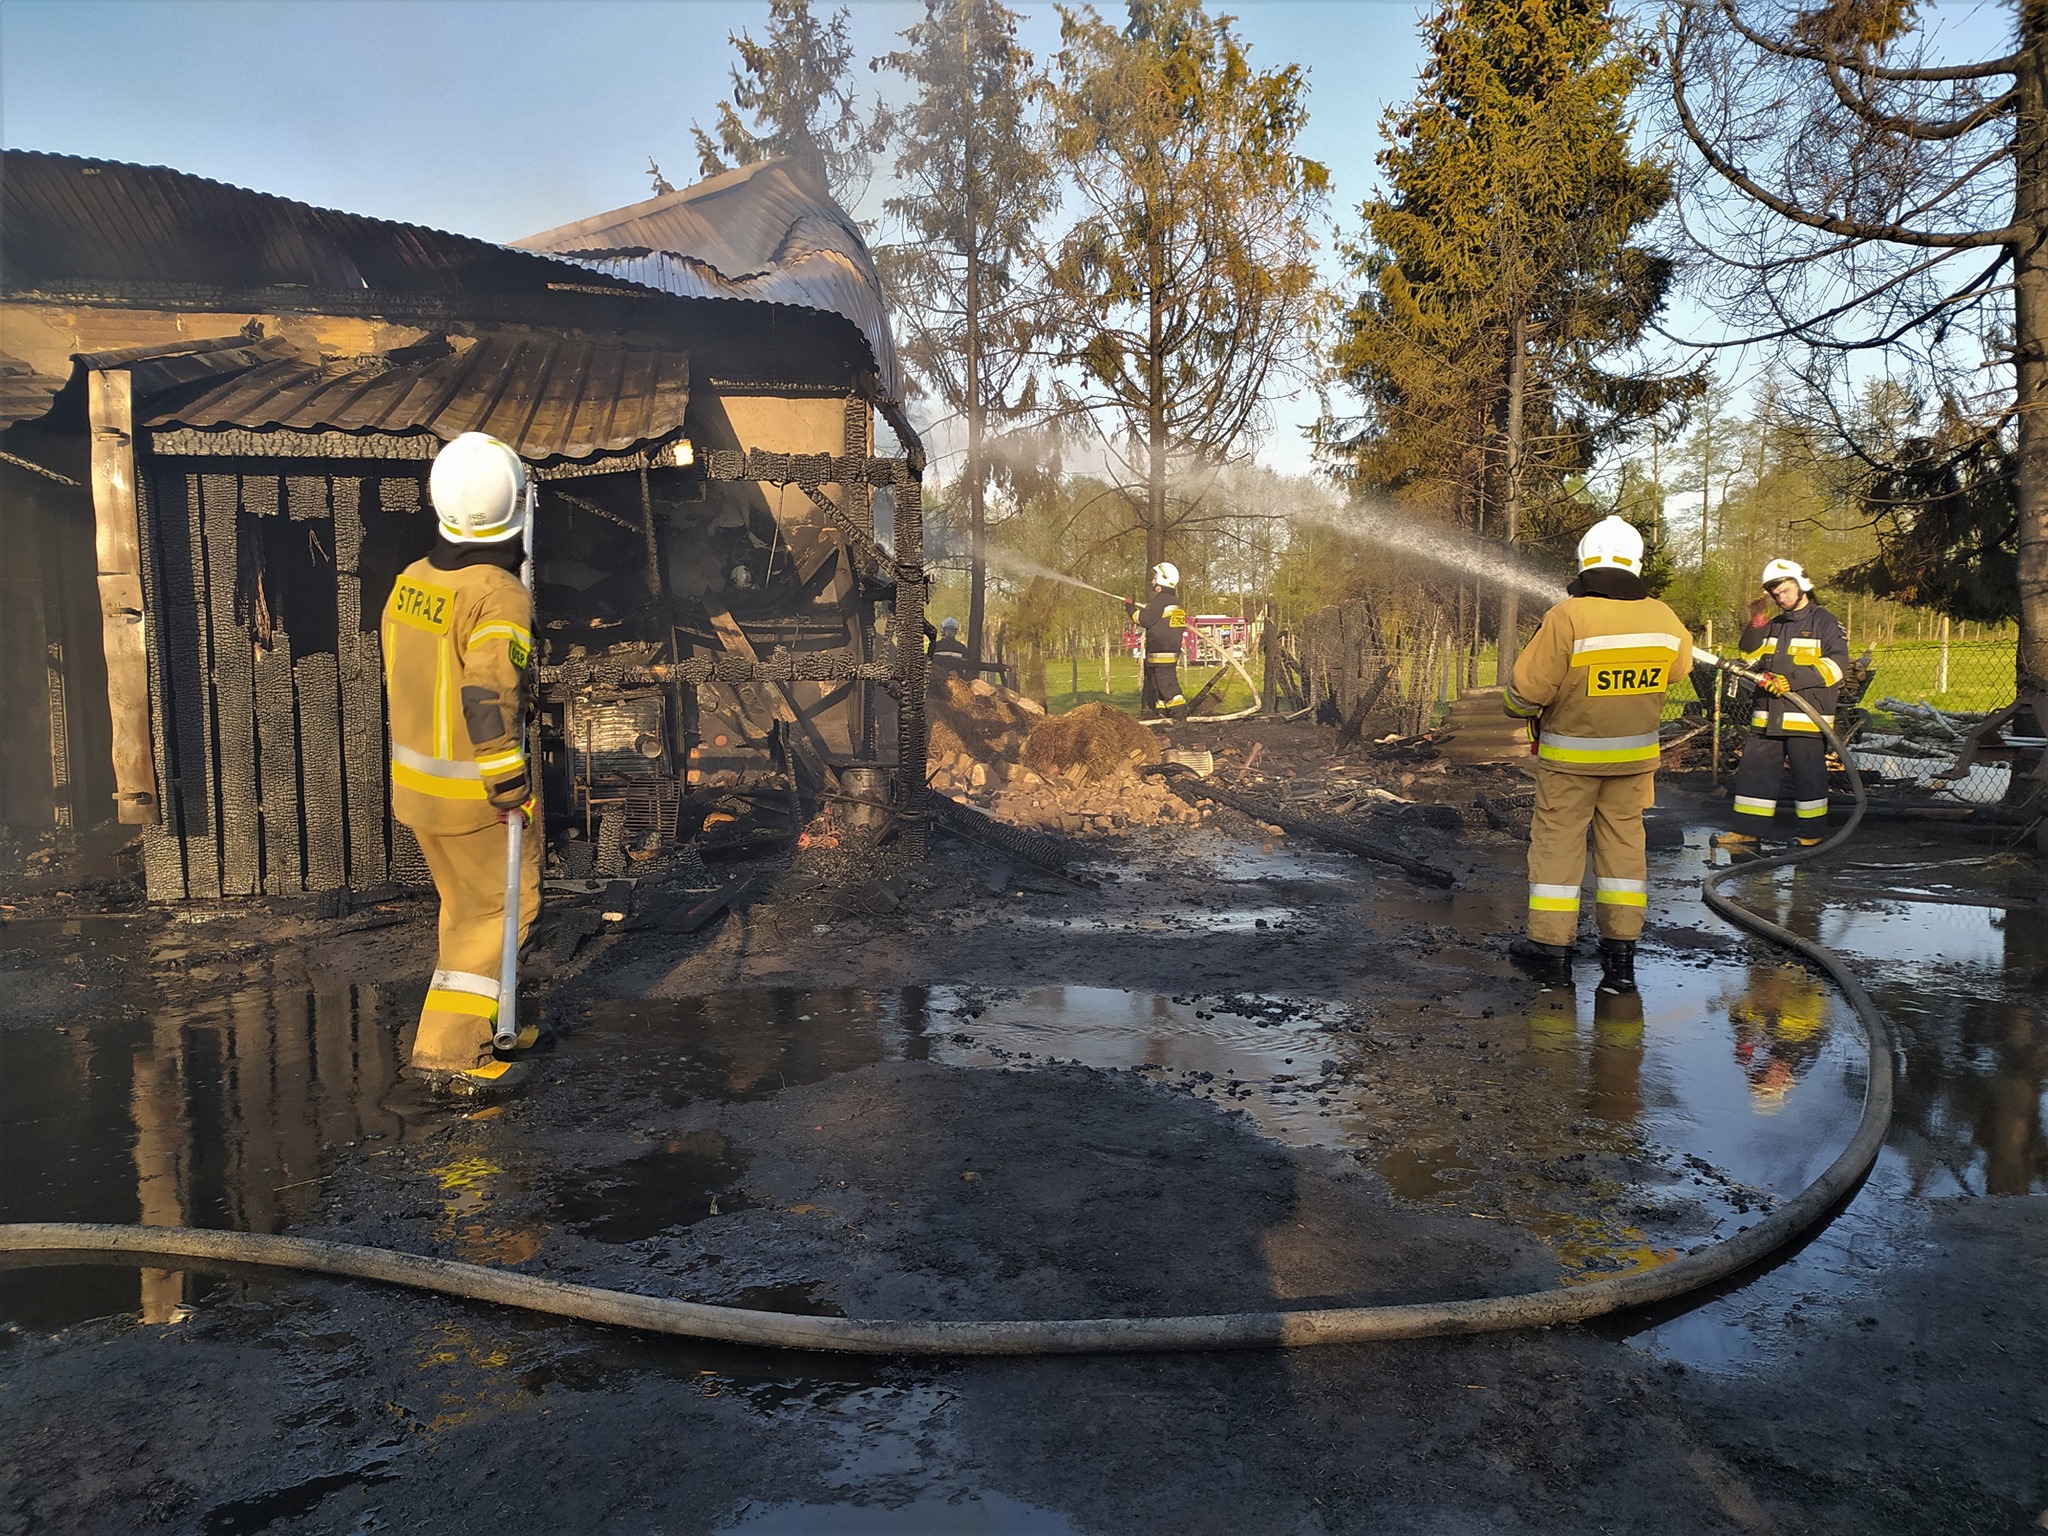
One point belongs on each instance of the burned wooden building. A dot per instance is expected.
(219, 408)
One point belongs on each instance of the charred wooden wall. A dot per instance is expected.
(266, 674)
(54, 750)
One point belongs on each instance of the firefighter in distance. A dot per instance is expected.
(458, 638)
(1591, 684)
(1165, 623)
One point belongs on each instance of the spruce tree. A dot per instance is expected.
(974, 183)
(1505, 277)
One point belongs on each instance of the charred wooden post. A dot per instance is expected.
(110, 411)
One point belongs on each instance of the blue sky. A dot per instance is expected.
(503, 119)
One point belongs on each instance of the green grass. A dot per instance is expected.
(1125, 677)
(1980, 673)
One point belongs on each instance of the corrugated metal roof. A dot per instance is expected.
(24, 393)
(767, 232)
(67, 222)
(550, 398)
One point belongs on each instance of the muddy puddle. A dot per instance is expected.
(1619, 1132)
(223, 1113)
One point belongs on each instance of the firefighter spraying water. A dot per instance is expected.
(1164, 622)
(1591, 684)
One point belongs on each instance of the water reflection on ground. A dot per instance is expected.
(224, 1113)
(1620, 1131)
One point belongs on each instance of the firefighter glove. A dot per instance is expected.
(511, 793)
(1776, 683)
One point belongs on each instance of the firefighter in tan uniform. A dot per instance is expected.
(1591, 683)
(457, 634)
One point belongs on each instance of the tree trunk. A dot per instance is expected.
(977, 469)
(2030, 357)
(1155, 386)
(1510, 637)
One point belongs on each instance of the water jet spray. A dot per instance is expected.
(1461, 552)
(1023, 565)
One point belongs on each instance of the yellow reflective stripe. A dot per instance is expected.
(1809, 809)
(1751, 805)
(1517, 708)
(503, 627)
(1553, 898)
(444, 1000)
(1768, 648)
(1598, 749)
(1829, 670)
(1622, 893)
(499, 763)
(1554, 754)
(434, 784)
(1161, 658)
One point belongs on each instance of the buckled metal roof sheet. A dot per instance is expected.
(766, 232)
(68, 223)
(548, 398)
(24, 393)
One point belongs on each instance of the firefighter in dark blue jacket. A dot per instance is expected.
(1800, 648)
(1165, 624)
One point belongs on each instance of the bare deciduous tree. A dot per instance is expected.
(1889, 204)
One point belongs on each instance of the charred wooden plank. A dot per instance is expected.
(360, 655)
(1190, 789)
(320, 770)
(694, 915)
(1051, 854)
(277, 768)
(163, 843)
(234, 690)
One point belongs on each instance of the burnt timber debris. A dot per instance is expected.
(217, 441)
(218, 431)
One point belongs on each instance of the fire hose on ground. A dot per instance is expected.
(1240, 1330)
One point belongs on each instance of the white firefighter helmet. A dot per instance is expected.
(949, 624)
(1166, 574)
(480, 490)
(1786, 570)
(1611, 544)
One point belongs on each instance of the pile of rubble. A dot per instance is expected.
(1074, 773)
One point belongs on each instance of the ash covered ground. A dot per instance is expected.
(1239, 1072)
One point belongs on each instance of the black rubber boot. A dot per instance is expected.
(1550, 964)
(1617, 965)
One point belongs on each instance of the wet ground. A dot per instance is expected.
(1241, 1075)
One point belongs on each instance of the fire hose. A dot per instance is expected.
(1239, 1330)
